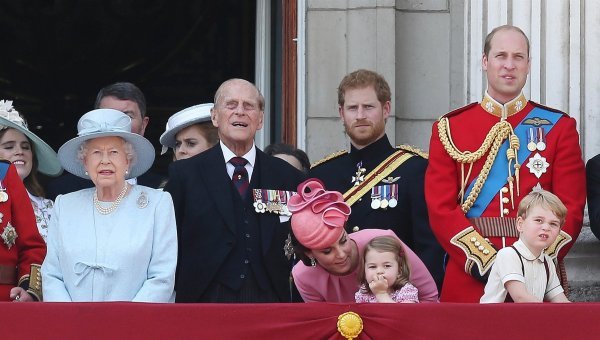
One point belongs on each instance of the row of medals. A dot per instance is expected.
(536, 134)
(274, 202)
(384, 196)
(377, 203)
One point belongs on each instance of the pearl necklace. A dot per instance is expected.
(113, 206)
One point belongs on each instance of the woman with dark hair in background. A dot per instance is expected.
(290, 154)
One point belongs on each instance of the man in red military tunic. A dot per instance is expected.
(485, 157)
(21, 244)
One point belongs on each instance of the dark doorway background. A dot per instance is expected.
(56, 55)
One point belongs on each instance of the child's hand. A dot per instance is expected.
(379, 285)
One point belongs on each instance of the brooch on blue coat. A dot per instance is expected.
(142, 200)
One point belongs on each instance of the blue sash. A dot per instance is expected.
(3, 169)
(498, 175)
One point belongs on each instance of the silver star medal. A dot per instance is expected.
(9, 235)
(537, 165)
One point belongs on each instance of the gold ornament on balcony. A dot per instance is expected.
(349, 325)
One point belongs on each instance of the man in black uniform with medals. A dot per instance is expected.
(384, 185)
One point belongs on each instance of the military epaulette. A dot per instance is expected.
(329, 157)
(548, 108)
(459, 110)
(413, 150)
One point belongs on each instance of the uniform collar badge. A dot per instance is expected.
(503, 111)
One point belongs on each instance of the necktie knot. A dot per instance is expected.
(238, 162)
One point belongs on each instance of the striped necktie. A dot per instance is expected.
(240, 175)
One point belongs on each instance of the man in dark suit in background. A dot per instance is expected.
(129, 99)
(230, 204)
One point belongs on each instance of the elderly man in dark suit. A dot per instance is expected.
(230, 205)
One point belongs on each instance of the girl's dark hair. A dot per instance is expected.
(384, 244)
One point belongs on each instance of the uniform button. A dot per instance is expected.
(504, 190)
(505, 200)
(481, 248)
(242, 276)
(247, 235)
(246, 261)
(477, 244)
(505, 211)
(355, 229)
(486, 252)
(245, 221)
(473, 239)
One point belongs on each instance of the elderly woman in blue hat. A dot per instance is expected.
(30, 155)
(190, 132)
(116, 241)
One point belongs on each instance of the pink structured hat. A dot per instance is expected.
(318, 216)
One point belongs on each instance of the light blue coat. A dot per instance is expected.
(127, 255)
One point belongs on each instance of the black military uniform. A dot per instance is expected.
(406, 216)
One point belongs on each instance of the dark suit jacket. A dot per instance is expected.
(202, 195)
(67, 182)
(593, 193)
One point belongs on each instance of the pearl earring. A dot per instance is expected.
(313, 263)
(86, 173)
(126, 172)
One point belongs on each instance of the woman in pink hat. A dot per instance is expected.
(330, 258)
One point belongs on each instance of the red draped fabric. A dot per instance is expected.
(296, 321)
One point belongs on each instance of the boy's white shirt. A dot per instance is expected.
(507, 267)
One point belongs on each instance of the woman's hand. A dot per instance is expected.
(18, 294)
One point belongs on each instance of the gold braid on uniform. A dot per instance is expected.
(413, 149)
(492, 142)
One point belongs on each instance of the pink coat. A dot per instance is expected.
(317, 285)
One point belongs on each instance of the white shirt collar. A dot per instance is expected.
(526, 253)
(250, 156)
